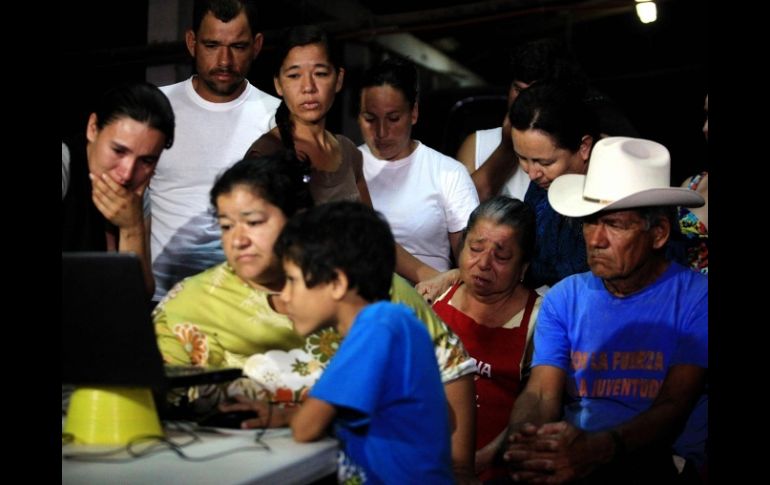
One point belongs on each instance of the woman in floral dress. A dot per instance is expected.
(230, 315)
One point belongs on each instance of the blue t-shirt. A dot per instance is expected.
(392, 417)
(616, 351)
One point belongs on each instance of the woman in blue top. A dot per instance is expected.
(553, 132)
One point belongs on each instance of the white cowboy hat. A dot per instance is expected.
(623, 173)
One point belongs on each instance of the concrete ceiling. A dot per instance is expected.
(646, 68)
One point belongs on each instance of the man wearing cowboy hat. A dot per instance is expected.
(621, 352)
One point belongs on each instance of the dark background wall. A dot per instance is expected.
(87, 67)
(657, 73)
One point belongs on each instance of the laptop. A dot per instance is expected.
(108, 338)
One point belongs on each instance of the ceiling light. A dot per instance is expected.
(647, 11)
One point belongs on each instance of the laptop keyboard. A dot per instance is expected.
(183, 370)
(189, 375)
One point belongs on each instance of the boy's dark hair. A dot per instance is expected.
(341, 236)
(280, 180)
(224, 10)
(141, 102)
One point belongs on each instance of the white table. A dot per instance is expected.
(288, 462)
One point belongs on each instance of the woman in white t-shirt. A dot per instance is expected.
(426, 196)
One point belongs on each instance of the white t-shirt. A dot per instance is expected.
(424, 197)
(209, 137)
(486, 142)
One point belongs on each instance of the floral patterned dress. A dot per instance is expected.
(215, 319)
(695, 233)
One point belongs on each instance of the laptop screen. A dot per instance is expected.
(107, 333)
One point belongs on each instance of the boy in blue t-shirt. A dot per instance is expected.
(382, 389)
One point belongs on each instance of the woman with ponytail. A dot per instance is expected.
(307, 79)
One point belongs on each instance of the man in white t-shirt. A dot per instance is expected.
(218, 115)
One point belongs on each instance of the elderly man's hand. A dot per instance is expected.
(519, 452)
(556, 453)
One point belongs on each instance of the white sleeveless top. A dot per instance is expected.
(486, 142)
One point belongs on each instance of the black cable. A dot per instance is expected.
(157, 444)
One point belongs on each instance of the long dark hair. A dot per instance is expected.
(557, 110)
(140, 101)
(398, 73)
(297, 37)
(280, 179)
